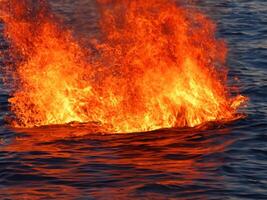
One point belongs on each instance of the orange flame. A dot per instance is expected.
(156, 65)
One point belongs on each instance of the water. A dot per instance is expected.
(224, 162)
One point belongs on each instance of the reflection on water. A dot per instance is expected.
(56, 161)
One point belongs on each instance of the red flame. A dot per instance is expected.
(156, 65)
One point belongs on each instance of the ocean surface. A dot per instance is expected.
(224, 162)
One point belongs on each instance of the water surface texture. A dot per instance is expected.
(224, 162)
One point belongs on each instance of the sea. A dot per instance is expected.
(227, 161)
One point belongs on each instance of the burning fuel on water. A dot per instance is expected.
(155, 64)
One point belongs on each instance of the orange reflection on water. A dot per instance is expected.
(81, 163)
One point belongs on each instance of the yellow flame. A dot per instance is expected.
(157, 65)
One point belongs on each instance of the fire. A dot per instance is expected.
(156, 64)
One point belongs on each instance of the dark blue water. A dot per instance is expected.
(224, 162)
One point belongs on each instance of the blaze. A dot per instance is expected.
(155, 64)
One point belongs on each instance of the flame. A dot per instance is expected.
(156, 64)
